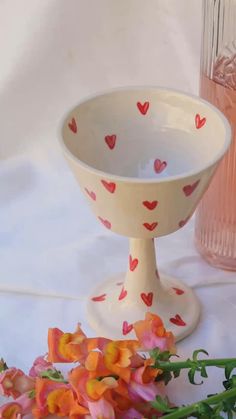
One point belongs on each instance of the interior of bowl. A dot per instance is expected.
(147, 133)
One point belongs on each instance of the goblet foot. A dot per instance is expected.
(112, 311)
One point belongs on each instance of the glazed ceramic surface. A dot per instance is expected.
(143, 158)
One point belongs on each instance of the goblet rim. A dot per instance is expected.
(138, 180)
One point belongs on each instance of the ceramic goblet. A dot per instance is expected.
(143, 158)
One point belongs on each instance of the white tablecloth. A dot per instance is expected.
(53, 53)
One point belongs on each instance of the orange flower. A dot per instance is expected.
(62, 402)
(65, 347)
(43, 387)
(145, 374)
(152, 334)
(117, 357)
(89, 387)
(71, 347)
(120, 396)
(78, 378)
(96, 388)
(94, 363)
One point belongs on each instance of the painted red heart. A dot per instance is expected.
(151, 205)
(127, 328)
(110, 186)
(101, 297)
(143, 107)
(177, 320)
(183, 222)
(150, 227)
(91, 194)
(189, 189)
(106, 223)
(159, 165)
(199, 122)
(133, 263)
(123, 294)
(147, 298)
(73, 126)
(111, 141)
(178, 291)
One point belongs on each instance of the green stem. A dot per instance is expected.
(193, 408)
(175, 366)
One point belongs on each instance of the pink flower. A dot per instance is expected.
(145, 392)
(152, 334)
(14, 410)
(13, 382)
(40, 364)
(131, 414)
(101, 409)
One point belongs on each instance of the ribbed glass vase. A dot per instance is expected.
(215, 229)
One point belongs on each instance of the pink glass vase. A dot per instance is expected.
(215, 229)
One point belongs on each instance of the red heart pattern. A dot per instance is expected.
(133, 263)
(101, 297)
(143, 107)
(177, 320)
(123, 294)
(151, 205)
(147, 298)
(106, 223)
(110, 186)
(127, 328)
(159, 165)
(178, 291)
(73, 126)
(91, 194)
(189, 189)
(199, 122)
(150, 227)
(111, 141)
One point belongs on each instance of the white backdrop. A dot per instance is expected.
(54, 53)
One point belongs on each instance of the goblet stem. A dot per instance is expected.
(142, 278)
(121, 301)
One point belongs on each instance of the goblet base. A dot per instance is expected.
(112, 311)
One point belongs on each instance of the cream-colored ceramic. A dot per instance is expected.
(143, 158)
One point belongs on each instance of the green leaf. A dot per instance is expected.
(228, 369)
(205, 409)
(154, 353)
(191, 375)
(161, 405)
(3, 365)
(198, 351)
(203, 372)
(176, 373)
(53, 375)
(165, 376)
(158, 355)
(31, 394)
(231, 383)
